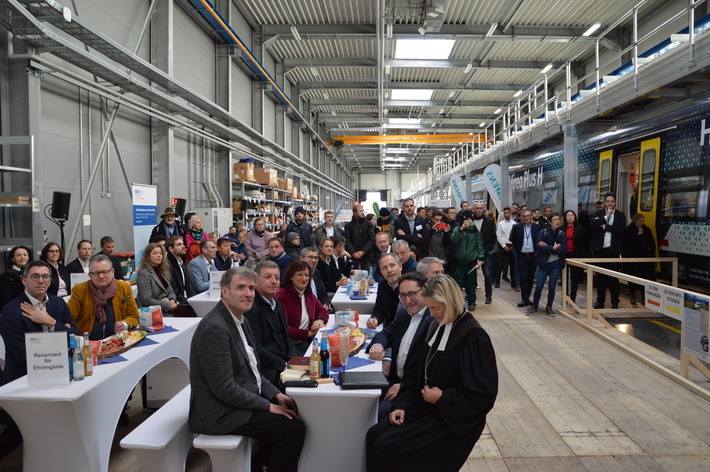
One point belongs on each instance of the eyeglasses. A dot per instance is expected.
(410, 295)
(101, 272)
(53, 250)
(36, 277)
(312, 258)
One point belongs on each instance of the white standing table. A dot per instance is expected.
(71, 429)
(337, 420)
(341, 301)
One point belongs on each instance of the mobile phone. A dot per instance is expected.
(440, 226)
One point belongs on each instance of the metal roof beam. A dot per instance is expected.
(317, 102)
(452, 116)
(372, 84)
(292, 63)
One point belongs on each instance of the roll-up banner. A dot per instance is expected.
(491, 179)
(458, 190)
(145, 216)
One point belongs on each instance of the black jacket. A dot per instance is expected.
(10, 286)
(579, 240)
(62, 272)
(386, 303)
(75, 267)
(420, 229)
(176, 280)
(616, 229)
(273, 342)
(488, 235)
(517, 235)
(359, 236)
(160, 229)
(329, 274)
(321, 293)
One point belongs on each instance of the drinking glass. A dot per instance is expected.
(344, 349)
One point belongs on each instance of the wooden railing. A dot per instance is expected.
(589, 265)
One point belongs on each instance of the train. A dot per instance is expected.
(664, 163)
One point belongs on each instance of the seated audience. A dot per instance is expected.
(33, 311)
(292, 246)
(405, 256)
(107, 247)
(268, 323)
(309, 255)
(224, 259)
(169, 226)
(153, 280)
(229, 393)
(201, 266)
(193, 237)
(328, 267)
(279, 256)
(11, 280)
(342, 257)
(232, 236)
(179, 275)
(382, 246)
(440, 410)
(430, 266)
(53, 255)
(241, 249)
(402, 336)
(258, 240)
(304, 312)
(103, 306)
(387, 301)
(80, 265)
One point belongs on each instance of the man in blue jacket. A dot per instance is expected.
(523, 236)
(33, 311)
(301, 226)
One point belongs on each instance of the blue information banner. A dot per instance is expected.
(145, 215)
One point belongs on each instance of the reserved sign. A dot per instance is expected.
(47, 361)
(215, 280)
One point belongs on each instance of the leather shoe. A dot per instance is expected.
(497, 285)
(615, 306)
(531, 311)
(488, 300)
(598, 306)
(549, 311)
(517, 289)
(524, 303)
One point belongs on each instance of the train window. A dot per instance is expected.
(605, 183)
(683, 199)
(648, 172)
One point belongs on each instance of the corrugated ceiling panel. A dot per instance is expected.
(302, 12)
(325, 48)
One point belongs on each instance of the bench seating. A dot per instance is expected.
(227, 453)
(162, 441)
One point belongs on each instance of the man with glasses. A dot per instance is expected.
(33, 311)
(403, 336)
(201, 266)
(103, 306)
(387, 301)
(523, 236)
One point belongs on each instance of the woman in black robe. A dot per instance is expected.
(441, 409)
(638, 242)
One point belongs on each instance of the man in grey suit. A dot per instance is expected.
(201, 266)
(229, 393)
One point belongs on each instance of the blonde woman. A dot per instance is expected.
(441, 407)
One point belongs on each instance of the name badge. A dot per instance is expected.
(418, 227)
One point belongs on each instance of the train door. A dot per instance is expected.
(648, 182)
(626, 176)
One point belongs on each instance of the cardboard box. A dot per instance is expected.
(281, 183)
(266, 176)
(295, 192)
(243, 171)
(289, 183)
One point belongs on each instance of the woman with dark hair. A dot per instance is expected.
(452, 384)
(153, 280)
(53, 255)
(638, 242)
(305, 314)
(576, 247)
(11, 280)
(550, 252)
(328, 267)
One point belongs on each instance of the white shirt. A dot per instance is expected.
(329, 231)
(407, 341)
(42, 306)
(503, 231)
(607, 234)
(445, 338)
(84, 266)
(250, 351)
(478, 223)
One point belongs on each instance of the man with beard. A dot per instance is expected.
(301, 226)
(359, 239)
(387, 299)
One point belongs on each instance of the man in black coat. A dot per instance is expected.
(403, 336)
(268, 323)
(359, 239)
(607, 226)
(523, 236)
(488, 237)
(412, 229)
(179, 275)
(107, 247)
(168, 227)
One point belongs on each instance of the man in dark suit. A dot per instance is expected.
(268, 323)
(80, 265)
(229, 393)
(33, 311)
(179, 275)
(607, 226)
(168, 227)
(403, 336)
(412, 229)
(523, 236)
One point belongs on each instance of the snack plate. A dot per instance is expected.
(133, 338)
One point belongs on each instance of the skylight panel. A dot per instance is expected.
(424, 48)
(412, 94)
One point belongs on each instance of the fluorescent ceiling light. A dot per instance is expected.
(325, 96)
(388, 30)
(404, 121)
(592, 29)
(482, 124)
(424, 48)
(332, 112)
(441, 111)
(492, 29)
(388, 69)
(295, 34)
(518, 93)
(412, 94)
(546, 69)
(468, 68)
(496, 112)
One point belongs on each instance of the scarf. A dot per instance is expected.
(197, 234)
(101, 299)
(260, 233)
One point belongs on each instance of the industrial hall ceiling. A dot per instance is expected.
(393, 84)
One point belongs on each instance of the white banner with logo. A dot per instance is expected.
(145, 217)
(458, 190)
(491, 179)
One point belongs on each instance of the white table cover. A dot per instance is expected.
(202, 303)
(341, 301)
